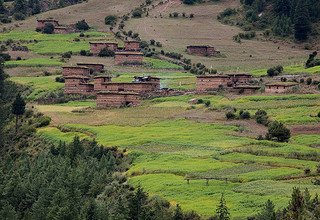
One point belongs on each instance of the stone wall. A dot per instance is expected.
(77, 86)
(99, 81)
(115, 99)
(96, 47)
(205, 83)
(75, 71)
(202, 50)
(128, 58)
(96, 67)
(130, 87)
(277, 88)
(132, 46)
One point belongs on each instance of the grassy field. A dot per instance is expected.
(39, 85)
(294, 69)
(33, 62)
(168, 142)
(161, 64)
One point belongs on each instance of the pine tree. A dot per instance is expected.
(297, 204)
(268, 212)
(136, 204)
(282, 26)
(18, 108)
(178, 215)
(222, 210)
(302, 24)
(20, 6)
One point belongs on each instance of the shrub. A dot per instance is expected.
(274, 71)
(81, 35)
(261, 117)
(19, 16)
(48, 28)
(189, 2)
(158, 44)
(5, 56)
(43, 121)
(318, 115)
(230, 115)
(227, 12)
(18, 58)
(106, 53)
(67, 54)
(309, 81)
(207, 103)
(83, 52)
(137, 13)
(82, 25)
(277, 131)
(245, 115)
(60, 79)
(110, 20)
(175, 14)
(307, 171)
(152, 42)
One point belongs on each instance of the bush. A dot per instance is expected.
(318, 114)
(43, 121)
(207, 103)
(110, 20)
(67, 54)
(19, 16)
(60, 79)
(230, 115)
(137, 13)
(18, 58)
(83, 52)
(261, 117)
(82, 25)
(274, 71)
(106, 53)
(227, 12)
(152, 42)
(245, 115)
(5, 56)
(277, 131)
(175, 14)
(189, 2)
(48, 28)
(309, 81)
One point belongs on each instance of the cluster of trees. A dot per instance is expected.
(312, 61)
(287, 17)
(301, 206)
(23, 8)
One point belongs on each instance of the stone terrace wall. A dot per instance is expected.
(116, 100)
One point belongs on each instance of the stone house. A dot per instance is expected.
(117, 99)
(78, 85)
(203, 50)
(128, 58)
(96, 47)
(132, 45)
(246, 89)
(280, 87)
(240, 78)
(99, 82)
(148, 79)
(42, 22)
(94, 67)
(212, 82)
(75, 71)
(141, 88)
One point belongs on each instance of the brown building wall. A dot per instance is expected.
(99, 81)
(77, 86)
(116, 100)
(201, 51)
(240, 78)
(130, 87)
(132, 46)
(42, 23)
(211, 83)
(128, 58)
(95, 67)
(277, 88)
(63, 30)
(95, 48)
(72, 71)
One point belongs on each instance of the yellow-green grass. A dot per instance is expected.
(161, 64)
(39, 85)
(311, 139)
(84, 103)
(55, 135)
(294, 69)
(33, 62)
(55, 43)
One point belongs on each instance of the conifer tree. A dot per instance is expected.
(222, 211)
(302, 24)
(297, 204)
(178, 215)
(268, 212)
(136, 204)
(18, 108)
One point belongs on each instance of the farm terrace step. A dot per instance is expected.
(202, 50)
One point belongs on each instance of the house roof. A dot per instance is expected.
(239, 74)
(213, 76)
(84, 64)
(102, 76)
(102, 42)
(76, 67)
(76, 77)
(246, 87)
(117, 93)
(128, 53)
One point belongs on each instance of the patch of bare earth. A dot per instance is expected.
(305, 129)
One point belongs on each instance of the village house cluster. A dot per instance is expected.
(129, 54)
(81, 79)
(238, 82)
(58, 29)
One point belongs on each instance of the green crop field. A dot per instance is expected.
(168, 143)
(39, 85)
(294, 69)
(33, 62)
(161, 64)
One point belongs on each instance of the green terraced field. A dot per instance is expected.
(33, 62)
(295, 69)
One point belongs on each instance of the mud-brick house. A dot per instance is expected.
(63, 30)
(42, 22)
(149, 80)
(132, 45)
(246, 89)
(240, 78)
(78, 85)
(280, 87)
(99, 82)
(128, 58)
(202, 50)
(212, 82)
(140, 88)
(117, 99)
(96, 47)
(75, 71)
(94, 67)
